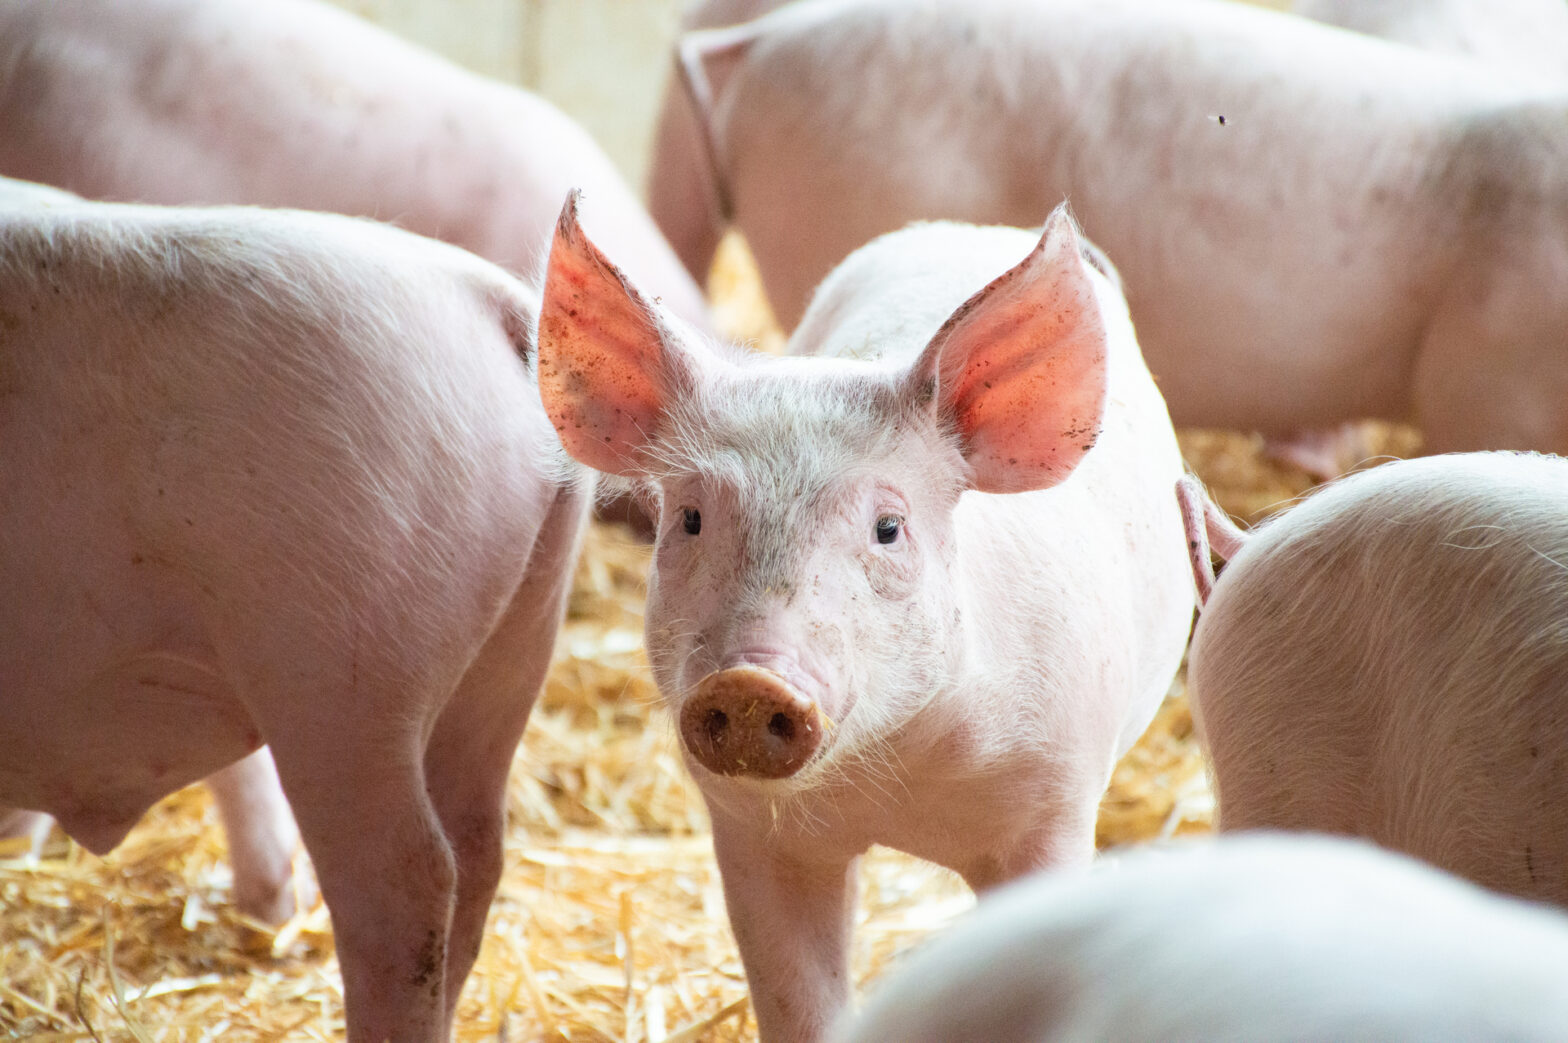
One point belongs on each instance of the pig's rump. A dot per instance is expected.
(1390, 659)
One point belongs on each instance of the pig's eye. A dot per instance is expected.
(691, 520)
(887, 528)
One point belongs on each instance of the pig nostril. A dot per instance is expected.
(715, 724)
(748, 721)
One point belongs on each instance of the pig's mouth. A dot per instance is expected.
(748, 721)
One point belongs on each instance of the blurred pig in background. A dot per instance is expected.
(1313, 225)
(1525, 39)
(298, 104)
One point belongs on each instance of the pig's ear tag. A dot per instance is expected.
(603, 354)
(1020, 368)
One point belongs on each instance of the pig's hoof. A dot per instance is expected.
(750, 721)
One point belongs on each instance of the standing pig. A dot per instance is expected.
(1390, 660)
(1527, 39)
(1264, 937)
(919, 585)
(1313, 225)
(262, 836)
(280, 478)
(299, 104)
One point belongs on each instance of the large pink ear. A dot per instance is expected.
(604, 358)
(1020, 368)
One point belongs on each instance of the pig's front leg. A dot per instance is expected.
(792, 911)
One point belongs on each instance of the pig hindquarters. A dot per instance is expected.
(1368, 232)
(300, 104)
(280, 478)
(1390, 660)
(918, 585)
(1245, 938)
(684, 200)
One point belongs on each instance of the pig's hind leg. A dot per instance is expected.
(476, 737)
(385, 867)
(29, 828)
(263, 840)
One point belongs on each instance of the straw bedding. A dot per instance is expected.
(609, 923)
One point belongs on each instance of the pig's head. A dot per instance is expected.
(806, 598)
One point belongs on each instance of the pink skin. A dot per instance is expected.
(280, 478)
(263, 839)
(1250, 937)
(1523, 39)
(299, 104)
(683, 198)
(1208, 529)
(1371, 232)
(1526, 40)
(978, 671)
(33, 825)
(1388, 660)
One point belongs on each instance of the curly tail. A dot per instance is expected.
(1208, 528)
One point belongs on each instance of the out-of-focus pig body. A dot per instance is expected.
(1312, 225)
(1246, 938)
(859, 651)
(1390, 660)
(299, 104)
(1525, 39)
(280, 478)
(682, 197)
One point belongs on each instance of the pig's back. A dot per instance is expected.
(295, 104)
(1390, 659)
(227, 389)
(238, 438)
(1004, 108)
(1192, 941)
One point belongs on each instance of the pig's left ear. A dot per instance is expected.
(610, 360)
(1019, 370)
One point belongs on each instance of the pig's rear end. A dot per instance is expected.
(1390, 660)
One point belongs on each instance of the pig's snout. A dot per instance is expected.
(750, 721)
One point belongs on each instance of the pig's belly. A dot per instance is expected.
(95, 732)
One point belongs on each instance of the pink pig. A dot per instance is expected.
(299, 104)
(1244, 938)
(1525, 39)
(280, 478)
(1389, 659)
(919, 584)
(1313, 225)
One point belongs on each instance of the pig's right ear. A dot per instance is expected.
(1019, 370)
(608, 357)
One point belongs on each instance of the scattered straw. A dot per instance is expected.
(609, 922)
